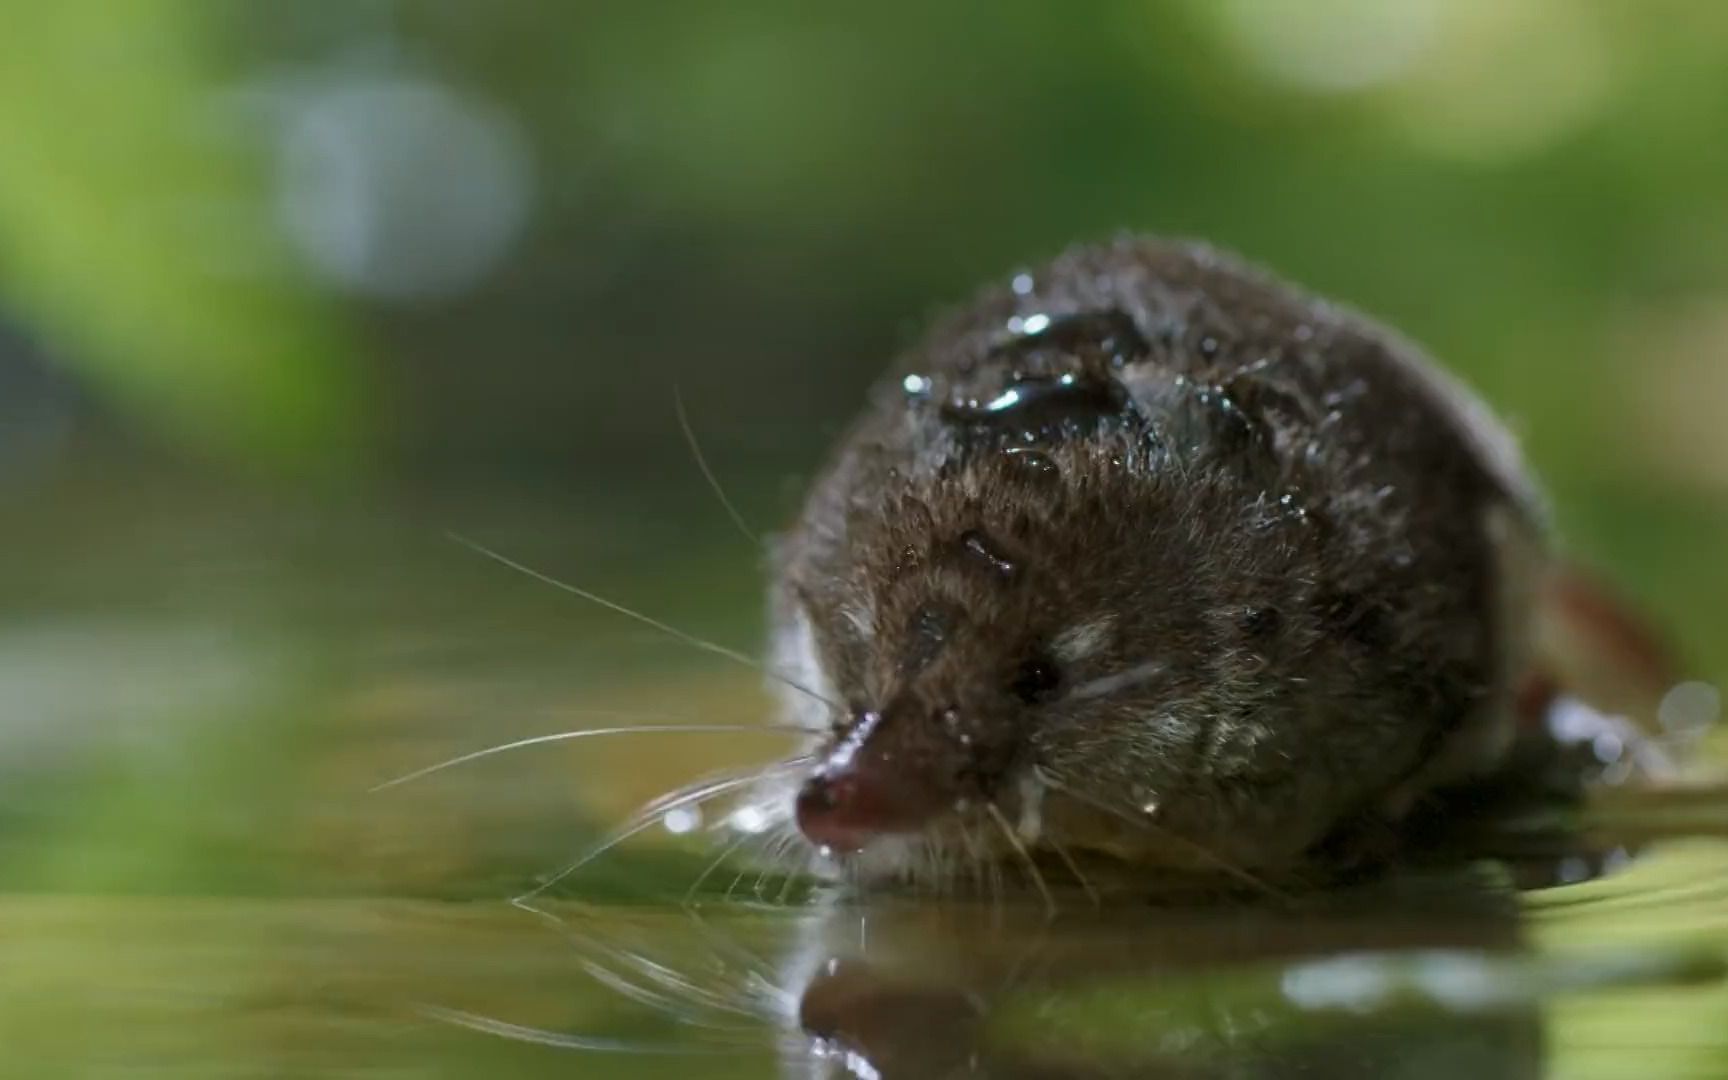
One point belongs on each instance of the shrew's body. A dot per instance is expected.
(1147, 554)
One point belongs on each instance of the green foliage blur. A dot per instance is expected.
(763, 202)
(133, 237)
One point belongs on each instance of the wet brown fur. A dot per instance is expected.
(1286, 534)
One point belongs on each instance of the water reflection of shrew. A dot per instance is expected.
(1006, 992)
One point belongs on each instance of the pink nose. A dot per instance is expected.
(834, 812)
(845, 808)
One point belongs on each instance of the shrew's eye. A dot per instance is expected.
(1035, 680)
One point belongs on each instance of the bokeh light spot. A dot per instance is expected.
(400, 188)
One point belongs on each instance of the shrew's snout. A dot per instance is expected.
(875, 782)
(839, 812)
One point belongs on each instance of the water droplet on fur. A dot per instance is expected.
(980, 546)
(1038, 408)
(1047, 342)
(1033, 462)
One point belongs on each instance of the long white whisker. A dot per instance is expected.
(757, 968)
(791, 876)
(673, 983)
(1073, 868)
(771, 845)
(631, 991)
(974, 856)
(759, 888)
(780, 855)
(647, 620)
(566, 736)
(1203, 851)
(718, 861)
(708, 473)
(1025, 856)
(487, 1025)
(681, 998)
(651, 814)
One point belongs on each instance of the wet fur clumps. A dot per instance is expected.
(1146, 557)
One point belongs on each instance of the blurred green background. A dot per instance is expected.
(368, 247)
(287, 291)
